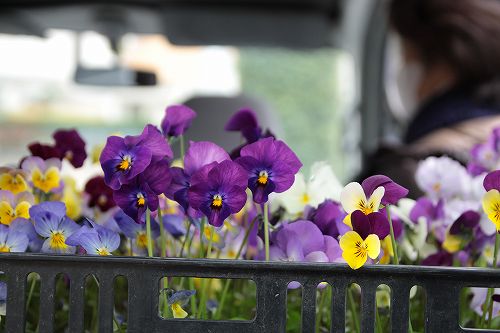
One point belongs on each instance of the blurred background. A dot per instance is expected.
(320, 73)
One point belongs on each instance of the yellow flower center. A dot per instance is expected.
(142, 240)
(4, 248)
(217, 201)
(366, 208)
(305, 198)
(14, 184)
(436, 187)
(263, 177)
(141, 201)
(126, 163)
(361, 249)
(57, 240)
(103, 251)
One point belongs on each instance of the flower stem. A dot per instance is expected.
(148, 232)
(186, 236)
(30, 293)
(489, 301)
(393, 239)
(203, 299)
(202, 230)
(182, 148)
(162, 235)
(353, 310)
(228, 282)
(377, 321)
(320, 310)
(266, 229)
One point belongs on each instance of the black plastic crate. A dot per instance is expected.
(442, 286)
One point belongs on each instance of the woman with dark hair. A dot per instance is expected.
(453, 48)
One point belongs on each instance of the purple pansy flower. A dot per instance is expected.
(478, 301)
(70, 146)
(329, 217)
(374, 223)
(122, 159)
(393, 191)
(100, 195)
(271, 166)
(51, 223)
(424, 207)
(174, 224)
(485, 156)
(465, 222)
(219, 191)
(96, 240)
(142, 193)
(441, 258)
(177, 120)
(198, 155)
(492, 181)
(136, 232)
(12, 240)
(245, 121)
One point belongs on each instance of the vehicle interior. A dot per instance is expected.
(317, 72)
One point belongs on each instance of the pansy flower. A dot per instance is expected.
(219, 191)
(393, 192)
(174, 225)
(12, 240)
(271, 167)
(198, 155)
(491, 200)
(321, 185)
(122, 159)
(100, 195)
(14, 206)
(70, 146)
(303, 241)
(135, 232)
(134, 198)
(364, 240)
(177, 120)
(96, 240)
(353, 198)
(44, 151)
(51, 223)
(43, 174)
(485, 156)
(177, 299)
(13, 180)
(329, 218)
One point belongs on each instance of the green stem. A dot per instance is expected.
(377, 321)
(117, 324)
(148, 232)
(203, 299)
(228, 282)
(393, 239)
(491, 290)
(202, 230)
(163, 247)
(30, 293)
(353, 310)
(192, 299)
(186, 236)
(266, 229)
(181, 143)
(320, 310)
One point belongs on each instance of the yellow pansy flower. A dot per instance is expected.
(356, 250)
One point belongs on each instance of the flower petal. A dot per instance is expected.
(351, 196)
(373, 244)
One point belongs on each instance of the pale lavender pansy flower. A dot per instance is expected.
(51, 222)
(95, 239)
(271, 167)
(12, 240)
(135, 232)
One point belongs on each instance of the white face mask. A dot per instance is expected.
(402, 82)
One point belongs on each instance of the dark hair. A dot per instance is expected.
(465, 34)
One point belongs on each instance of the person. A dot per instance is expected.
(453, 50)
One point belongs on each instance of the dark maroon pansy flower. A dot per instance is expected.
(271, 166)
(100, 194)
(374, 223)
(218, 190)
(177, 120)
(44, 151)
(465, 222)
(71, 146)
(492, 181)
(441, 258)
(142, 193)
(393, 191)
